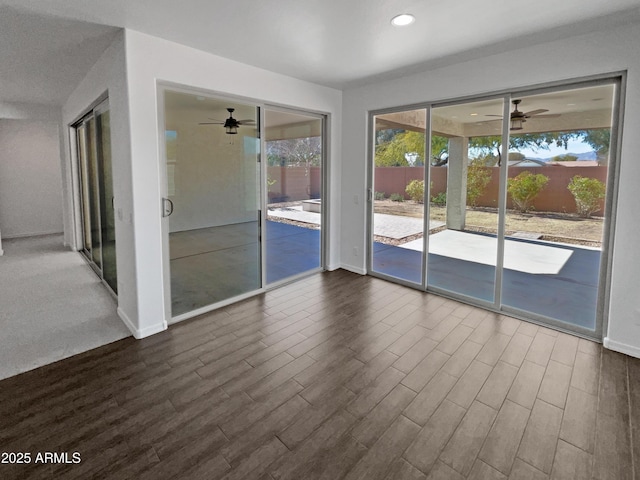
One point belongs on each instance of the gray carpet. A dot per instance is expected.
(53, 305)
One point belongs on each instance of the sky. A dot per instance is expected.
(574, 146)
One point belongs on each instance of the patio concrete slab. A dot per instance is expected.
(295, 213)
(398, 226)
(519, 256)
(384, 225)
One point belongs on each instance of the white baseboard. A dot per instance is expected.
(145, 332)
(32, 234)
(351, 268)
(621, 347)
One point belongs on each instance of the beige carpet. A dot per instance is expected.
(53, 305)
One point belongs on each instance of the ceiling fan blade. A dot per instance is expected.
(211, 123)
(550, 115)
(247, 121)
(536, 112)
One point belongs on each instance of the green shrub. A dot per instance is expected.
(587, 192)
(415, 190)
(478, 177)
(524, 188)
(396, 197)
(379, 195)
(439, 199)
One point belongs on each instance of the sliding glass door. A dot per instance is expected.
(397, 194)
(463, 246)
(517, 212)
(93, 144)
(294, 153)
(213, 199)
(244, 202)
(559, 166)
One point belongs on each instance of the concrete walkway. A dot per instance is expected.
(384, 225)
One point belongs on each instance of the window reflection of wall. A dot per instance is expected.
(211, 178)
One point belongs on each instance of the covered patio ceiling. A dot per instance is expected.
(578, 109)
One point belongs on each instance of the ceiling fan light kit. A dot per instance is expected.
(231, 124)
(517, 118)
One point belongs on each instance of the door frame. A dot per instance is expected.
(618, 79)
(163, 86)
(78, 179)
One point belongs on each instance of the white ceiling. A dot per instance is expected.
(338, 43)
(42, 59)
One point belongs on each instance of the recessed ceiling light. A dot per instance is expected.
(403, 20)
(473, 114)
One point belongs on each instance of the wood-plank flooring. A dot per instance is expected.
(335, 376)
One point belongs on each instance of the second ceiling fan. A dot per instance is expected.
(231, 124)
(517, 117)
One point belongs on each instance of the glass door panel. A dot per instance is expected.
(94, 193)
(554, 226)
(294, 154)
(398, 190)
(81, 133)
(107, 214)
(213, 184)
(466, 157)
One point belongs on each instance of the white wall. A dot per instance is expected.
(150, 59)
(107, 75)
(29, 111)
(30, 179)
(214, 175)
(592, 54)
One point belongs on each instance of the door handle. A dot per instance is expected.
(167, 207)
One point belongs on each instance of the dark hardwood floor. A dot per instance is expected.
(336, 376)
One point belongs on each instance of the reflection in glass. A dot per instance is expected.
(94, 194)
(107, 214)
(93, 143)
(214, 186)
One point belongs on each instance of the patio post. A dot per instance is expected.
(457, 182)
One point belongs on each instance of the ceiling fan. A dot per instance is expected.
(231, 124)
(518, 118)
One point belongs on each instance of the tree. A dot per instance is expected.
(305, 152)
(393, 153)
(599, 140)
(439, 150)
(489, 147)
(393, 147)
